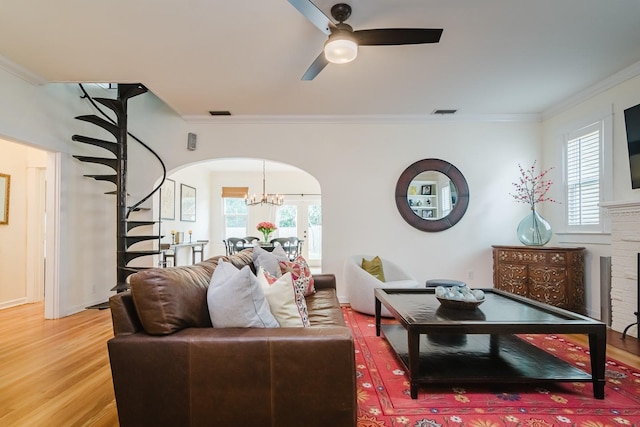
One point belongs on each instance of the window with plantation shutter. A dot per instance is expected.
(583, 177)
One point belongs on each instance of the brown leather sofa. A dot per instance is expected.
(170, 367)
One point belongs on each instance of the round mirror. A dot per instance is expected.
(432, 195)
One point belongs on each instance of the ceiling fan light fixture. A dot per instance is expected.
(340, 48)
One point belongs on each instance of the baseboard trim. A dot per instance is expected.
(13, 303)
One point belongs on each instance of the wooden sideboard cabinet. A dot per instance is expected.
(551, 275)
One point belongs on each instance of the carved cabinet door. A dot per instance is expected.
(548, 285)
(513, 278)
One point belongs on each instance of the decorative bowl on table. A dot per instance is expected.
(460, 305)
(459, 297)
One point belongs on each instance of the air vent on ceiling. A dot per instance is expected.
(220, 113)
(443, 112)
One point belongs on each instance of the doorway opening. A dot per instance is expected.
(27, 242)
(299, 216)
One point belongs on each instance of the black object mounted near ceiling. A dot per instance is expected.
(432, 195)
(342, 45)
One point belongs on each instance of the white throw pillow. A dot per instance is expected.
(269, 260)
(235, 299)
(281, 297)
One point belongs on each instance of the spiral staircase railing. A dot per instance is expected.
(117, 161)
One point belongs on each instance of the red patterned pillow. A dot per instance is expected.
(302, 278)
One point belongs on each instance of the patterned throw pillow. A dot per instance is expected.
(302, 278)
(287, 305)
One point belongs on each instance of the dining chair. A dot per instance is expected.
(295, 247)
(251, 239)
(289, 244)
(236, 244)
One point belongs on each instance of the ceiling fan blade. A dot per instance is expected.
(397, 36)
(315, 68)
(313, 14)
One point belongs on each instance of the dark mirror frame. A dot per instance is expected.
(454, 175)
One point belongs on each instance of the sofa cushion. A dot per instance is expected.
(301, 274)
(288, 309)
(374, 267)
(170, 299)
(324, 308)
(236, 300)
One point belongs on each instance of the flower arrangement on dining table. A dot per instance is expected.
(532, 187)
(266, 228)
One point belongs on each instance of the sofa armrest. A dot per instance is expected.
(232, 376)
(123, 314)
(326, 280)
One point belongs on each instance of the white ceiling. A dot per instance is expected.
(494, 57)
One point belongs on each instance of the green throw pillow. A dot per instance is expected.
(374, 267)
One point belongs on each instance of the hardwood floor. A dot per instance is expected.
(56, 372)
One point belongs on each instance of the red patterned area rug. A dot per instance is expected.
(384, 400)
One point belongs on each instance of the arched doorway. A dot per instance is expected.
(300, 215)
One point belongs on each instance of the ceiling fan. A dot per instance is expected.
(343, 42)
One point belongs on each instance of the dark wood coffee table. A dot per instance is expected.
(480, 346)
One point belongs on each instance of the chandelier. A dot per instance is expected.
(266, 198)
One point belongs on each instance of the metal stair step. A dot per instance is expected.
(115, 105)
(132, 240)
(104, 124)
(112, 163)
(110, 178)
(121, 287)
(132, 270)
(107, 145)
(127, 91)
(131, 255)
(133, 224)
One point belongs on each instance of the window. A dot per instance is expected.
(585, 175)
(235, 211)
(287, 221)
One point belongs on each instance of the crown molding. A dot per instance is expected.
(606, 84)
(362, 119)
(21, 72)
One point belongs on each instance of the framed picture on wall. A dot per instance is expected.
(168, 199)
(5, 181)
(187, 203)
(426, 190)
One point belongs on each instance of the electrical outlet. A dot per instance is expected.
(470, 275)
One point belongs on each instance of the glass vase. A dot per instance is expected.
(534, 230)
(266, 236)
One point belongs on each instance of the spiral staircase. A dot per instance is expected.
(116, 159)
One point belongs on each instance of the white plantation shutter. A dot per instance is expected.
(583, 176)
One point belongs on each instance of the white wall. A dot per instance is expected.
(357, 166)
(616, 99)
(196, 176)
